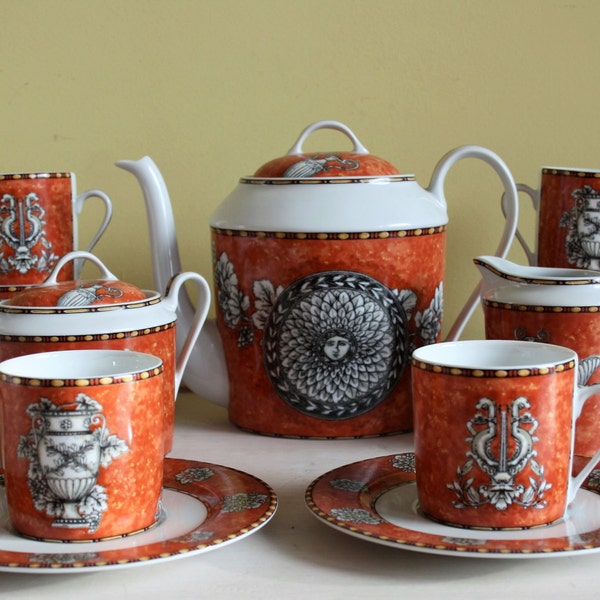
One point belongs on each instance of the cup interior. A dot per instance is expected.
(75, 364)
(493, 354)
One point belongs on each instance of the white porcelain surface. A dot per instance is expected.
(375, 204)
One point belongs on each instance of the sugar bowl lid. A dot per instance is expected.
(83, 294)
(297, 164)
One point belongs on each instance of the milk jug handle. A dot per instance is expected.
(511, 207)
(535, 200)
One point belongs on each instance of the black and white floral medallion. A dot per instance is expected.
(335, 344)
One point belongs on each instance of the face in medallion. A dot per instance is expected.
(336, 347)
(335, 344)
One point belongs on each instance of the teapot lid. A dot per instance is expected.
(297, 164)
(345, 192)
(78, 294)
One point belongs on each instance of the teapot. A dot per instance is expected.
(554, 305)
(328, 272)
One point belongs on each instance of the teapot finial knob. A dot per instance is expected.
(297, 147)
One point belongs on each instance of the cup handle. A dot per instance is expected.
(436, 187)
(532, 257)
(582, 393)
(186, 340)
(79, 204)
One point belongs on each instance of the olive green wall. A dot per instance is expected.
(211, 89)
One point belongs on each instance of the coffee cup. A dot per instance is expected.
(567, 203)
(82, 443)
(38, 224)
(494, 431)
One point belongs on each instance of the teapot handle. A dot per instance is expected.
(535, 200)
(79, 255)
(336, 125)
(187, 337)
(510, 206)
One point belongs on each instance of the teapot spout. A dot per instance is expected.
(206, 371)
(161, 223)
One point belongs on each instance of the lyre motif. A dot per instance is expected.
(501, 445)
(22, 228)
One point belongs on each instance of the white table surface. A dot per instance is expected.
(297, 556)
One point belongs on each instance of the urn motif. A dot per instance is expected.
(66, 447)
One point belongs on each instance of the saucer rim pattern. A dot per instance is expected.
(365, 481)
(220, 526)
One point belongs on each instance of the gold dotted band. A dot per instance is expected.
(494, 373)
(541, 309)
(533, 280)
(21, 176)
(364, 235)
(570, 173)
(321, 181)
(54, 310)
(12, 289)
(97, 337)
(81, 382)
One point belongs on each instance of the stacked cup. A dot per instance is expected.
(38, 225)
(567, 203)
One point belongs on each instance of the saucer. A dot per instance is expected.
(205, 506)
(376, 500)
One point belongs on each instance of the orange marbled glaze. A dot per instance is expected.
(55, 194)
(443, 405)
(132, 481)
(408, 261)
